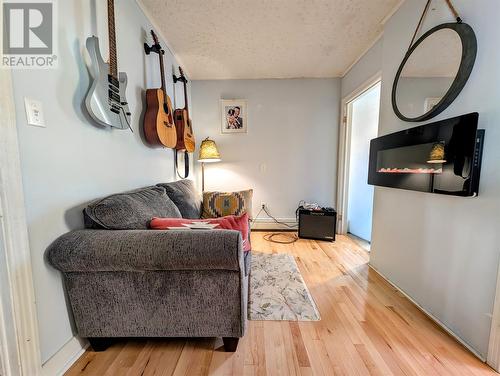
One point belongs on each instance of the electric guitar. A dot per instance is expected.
(185, 136)
(105, 101)
(159, 127)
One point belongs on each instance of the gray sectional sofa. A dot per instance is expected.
(124, 280)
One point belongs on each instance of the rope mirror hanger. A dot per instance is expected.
(467, 58)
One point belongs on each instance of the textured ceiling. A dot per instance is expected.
(231, 39)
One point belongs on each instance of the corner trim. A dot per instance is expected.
(58, 364)
(365, 51)
(493, 358)
(159, 31)
(392, 12)
(430, 315)
(377, 38)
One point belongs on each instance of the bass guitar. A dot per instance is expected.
(185, 135)
(105, 101)
(159, 127)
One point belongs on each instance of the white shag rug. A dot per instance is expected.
(277, 290)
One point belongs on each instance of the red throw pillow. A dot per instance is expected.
(230, 222)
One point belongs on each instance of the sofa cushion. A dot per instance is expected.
(130, 210)
(185, 196)
(221, 204)
(230, 222)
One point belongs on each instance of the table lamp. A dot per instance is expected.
(208, 154)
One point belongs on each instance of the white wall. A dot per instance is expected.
(444, 251)
(71, 162)
(290, 151)
(364, 128)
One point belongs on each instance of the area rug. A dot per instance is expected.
(277, 290)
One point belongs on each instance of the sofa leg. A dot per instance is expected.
(230, 343)
(100, 344)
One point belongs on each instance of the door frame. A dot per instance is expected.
(344, 157)
(22, 321)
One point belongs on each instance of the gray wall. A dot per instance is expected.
(290, 151)
(71, 162)
(444, 251)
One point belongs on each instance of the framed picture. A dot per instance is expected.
(234, 116)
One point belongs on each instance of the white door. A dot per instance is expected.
(364, 113)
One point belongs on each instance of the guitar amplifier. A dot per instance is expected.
(319, 224)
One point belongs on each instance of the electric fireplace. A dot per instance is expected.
(442, 157)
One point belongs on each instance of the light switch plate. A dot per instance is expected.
(34, 112)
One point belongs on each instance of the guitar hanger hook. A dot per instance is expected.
(156, 48)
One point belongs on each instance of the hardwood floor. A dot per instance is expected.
(367, 328)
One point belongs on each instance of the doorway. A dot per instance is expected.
(360, 119)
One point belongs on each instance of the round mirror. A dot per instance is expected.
(434, 71)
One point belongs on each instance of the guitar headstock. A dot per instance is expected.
(182, 77)
(155, 37)
(156, 47)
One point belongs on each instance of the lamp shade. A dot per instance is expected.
(437, 154)
(209, 151)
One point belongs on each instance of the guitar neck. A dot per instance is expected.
(113, 61)
(162, 72)
(186, 107)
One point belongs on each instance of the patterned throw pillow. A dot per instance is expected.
(231, 222)
(220, 204)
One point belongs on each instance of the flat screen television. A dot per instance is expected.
(442, 157)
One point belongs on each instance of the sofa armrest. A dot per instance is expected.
(147, 250)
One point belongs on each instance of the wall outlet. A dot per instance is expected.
(34, 112)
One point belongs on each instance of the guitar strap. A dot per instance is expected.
(186, 164)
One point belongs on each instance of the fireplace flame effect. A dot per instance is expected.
(410, 171)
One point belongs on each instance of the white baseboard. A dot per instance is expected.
(430, 315)
(269, 224)
(64, 358)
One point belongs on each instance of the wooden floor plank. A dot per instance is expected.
(164, 358)
(367, 328)
(97, 364)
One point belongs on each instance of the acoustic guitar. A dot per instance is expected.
(159, 127)
(105, 101)
(185, 135)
